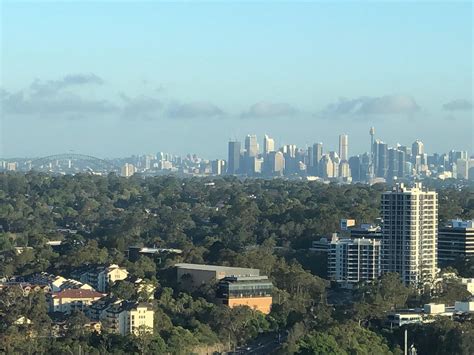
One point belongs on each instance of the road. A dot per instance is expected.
(264, 344)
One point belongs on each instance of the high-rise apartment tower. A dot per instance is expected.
(409, 233)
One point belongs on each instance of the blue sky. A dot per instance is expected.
(120, 78)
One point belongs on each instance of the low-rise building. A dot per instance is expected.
(70, 300)
(252, 291)
(123, 317)
(455, 240)
(194, 275)
(469, 284)
(134, 252)
(102, 277)
(434, 308)
(399, 319)
(464, 306)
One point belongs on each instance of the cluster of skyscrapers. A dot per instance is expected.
(288, 160)
(382, 163)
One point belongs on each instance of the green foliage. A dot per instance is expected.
(265, 224)
(443, 336)
(376, 299)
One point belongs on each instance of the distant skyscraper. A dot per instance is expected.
(455, 155)
(218, 166)
(233, 164)
(462, 169)
(381, 159)
(372, 154)
(355, 166)
(410, 227)
(327, 167)
(276, 163)
(268, 145)
(128, 170)
(393, 164)
(317, 154)
(344, 147)
(344, 169)
(417, 148)
(251, 146)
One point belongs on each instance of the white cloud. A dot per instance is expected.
(384, 105)
(267, 110)
(458, 105)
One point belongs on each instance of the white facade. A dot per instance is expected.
(268, 144)
(344, 147)
(354, 260)
(128, 170)
(410, 231)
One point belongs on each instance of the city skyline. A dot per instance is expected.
(191, 76)
(340, 141)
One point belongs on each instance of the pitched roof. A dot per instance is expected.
(77, 293)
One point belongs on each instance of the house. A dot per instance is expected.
(57, 283)
(70, 300)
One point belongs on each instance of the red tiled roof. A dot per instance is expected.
(77, 293)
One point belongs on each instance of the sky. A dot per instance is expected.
(116, 78)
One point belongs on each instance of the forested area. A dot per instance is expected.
(264, 224)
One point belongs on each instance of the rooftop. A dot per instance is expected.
(77, 293)
(205, 267)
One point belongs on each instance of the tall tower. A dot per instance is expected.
(417, 148)
(251, 145)
(233, 163)
(344, 147)
(372, 153)
(268, 145)
(410, 233)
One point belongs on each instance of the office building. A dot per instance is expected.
(409, 233)
(355, 167)
(233, 161)
(462, 169)
(218, 166)
(326, 167)
(351, 261)
(251, 146)
(381, 159)
(317, 155)
(417, 148)
(194, 275)
(268, 145)
(344, 147)
(344, 170)
(252, 291)
(455, 240)
(275, 163)
(454, 155)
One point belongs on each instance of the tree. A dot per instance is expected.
(319, 344)
(124, 290)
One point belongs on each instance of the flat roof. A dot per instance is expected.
(205, 267)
